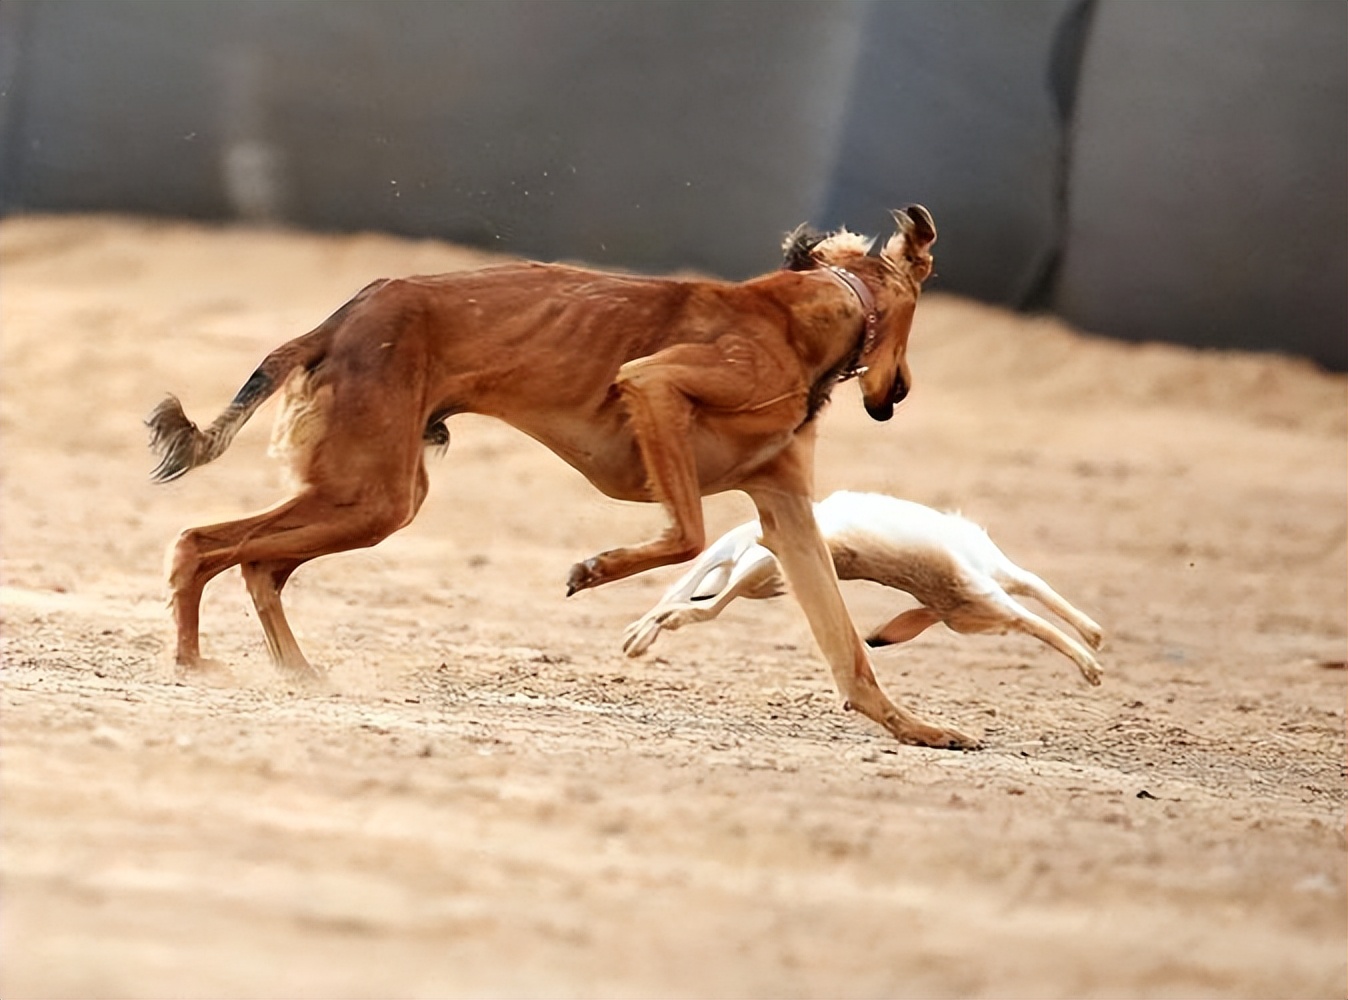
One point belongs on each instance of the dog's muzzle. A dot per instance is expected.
(886, 409)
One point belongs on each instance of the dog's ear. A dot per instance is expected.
(915, 226)
(798, 247)
(923, 228)
(916, 233)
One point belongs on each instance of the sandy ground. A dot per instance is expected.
(494, 801)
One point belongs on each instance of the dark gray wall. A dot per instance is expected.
(1209, 180)
(1160, 170)
(109, 107)
(649, 135)
(952, 107)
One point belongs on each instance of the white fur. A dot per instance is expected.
(299, 426)
(841, 243)
(945, 561)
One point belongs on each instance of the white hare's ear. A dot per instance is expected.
(916, 232)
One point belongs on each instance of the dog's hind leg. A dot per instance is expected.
(265, 581)
(269, 546)
(197, 556)
(790, 531)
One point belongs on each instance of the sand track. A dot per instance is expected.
(492, 800)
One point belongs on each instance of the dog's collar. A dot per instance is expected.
(867, 300)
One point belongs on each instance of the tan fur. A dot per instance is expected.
(947, 562)
(300, 425)
(842, 242)
(655, 389)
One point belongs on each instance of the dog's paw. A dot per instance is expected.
(583, 576)
(945, 739)
(204, 671)
(304, 676)
(920, 734)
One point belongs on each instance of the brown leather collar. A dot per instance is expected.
(867, 300)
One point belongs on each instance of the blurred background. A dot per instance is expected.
(1158, 171)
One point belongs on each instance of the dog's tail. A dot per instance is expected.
(182, 446)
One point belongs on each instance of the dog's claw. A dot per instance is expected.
(583, 575)
(957, 741)
(950, 739)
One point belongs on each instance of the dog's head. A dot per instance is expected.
(894, 277)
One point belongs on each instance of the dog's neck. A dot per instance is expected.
(849, 366)
(872, 316)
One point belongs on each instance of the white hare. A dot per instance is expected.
(945, 561)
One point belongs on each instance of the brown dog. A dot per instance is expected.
(655, 389)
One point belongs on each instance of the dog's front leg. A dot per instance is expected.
(739, 377)
(791, 533)
(660, 410)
